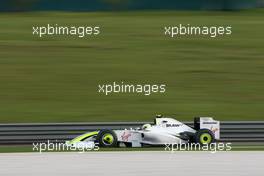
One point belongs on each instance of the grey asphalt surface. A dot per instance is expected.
(133, 163)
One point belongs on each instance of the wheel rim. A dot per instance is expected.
(205, 138)
(108, 139)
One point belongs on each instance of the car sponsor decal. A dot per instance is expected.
(209, 123)
(214, 130)
(125, 136)
(173, 125)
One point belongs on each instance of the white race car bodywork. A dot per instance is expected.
(164, 131)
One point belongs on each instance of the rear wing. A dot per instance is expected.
(207, 123)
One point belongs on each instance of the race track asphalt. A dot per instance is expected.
(133, 164)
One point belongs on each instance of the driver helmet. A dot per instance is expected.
(159, 116)
(146, 127)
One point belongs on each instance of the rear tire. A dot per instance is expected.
(107, 138)
(204, 137)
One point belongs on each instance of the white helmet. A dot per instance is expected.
(146, 127)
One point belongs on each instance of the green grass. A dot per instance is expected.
(55, 79)
(15, 149)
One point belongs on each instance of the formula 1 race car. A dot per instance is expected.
(164, 131)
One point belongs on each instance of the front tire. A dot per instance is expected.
(204, 137)
(107, 138)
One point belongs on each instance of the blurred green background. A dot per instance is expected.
(110, 5)
(55, 79)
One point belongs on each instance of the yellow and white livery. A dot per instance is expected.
(165, 130)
